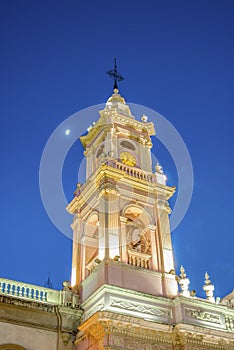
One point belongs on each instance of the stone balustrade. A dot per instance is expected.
(138, 259)
(29, 291)
(132, 171)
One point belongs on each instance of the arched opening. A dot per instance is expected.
(138, 239)
(128, 145)
(11, 347)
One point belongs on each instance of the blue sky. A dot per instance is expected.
(176, 57)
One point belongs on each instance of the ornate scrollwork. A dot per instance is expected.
(203, 316)
(229, 323)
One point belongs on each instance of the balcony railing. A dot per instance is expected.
(29, 291)
(131, 171)
(138, 259)
(26, 291)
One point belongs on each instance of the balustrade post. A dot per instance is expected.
(6, 288)
(20, 291)
(27, 291)
(11, 289)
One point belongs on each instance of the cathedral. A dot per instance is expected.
(124, 293)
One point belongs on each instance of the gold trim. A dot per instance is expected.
(11, 347)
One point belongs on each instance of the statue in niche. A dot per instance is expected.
(133, 232)
(145, 243)
(136, 240)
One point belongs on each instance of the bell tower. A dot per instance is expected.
(121, 225)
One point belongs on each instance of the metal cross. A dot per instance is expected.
(114, 74)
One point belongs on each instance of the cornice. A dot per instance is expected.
(93, 184)
(122, 329)
(28, 304)
(37, 315)
(203, 303)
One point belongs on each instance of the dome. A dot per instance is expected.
(117, 102)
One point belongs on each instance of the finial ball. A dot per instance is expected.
(144, 118)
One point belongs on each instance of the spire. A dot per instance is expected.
(48, 283)
(114, 74)
(184, 282)
(209, 289)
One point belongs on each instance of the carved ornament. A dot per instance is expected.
(203, 316)
(131, 306)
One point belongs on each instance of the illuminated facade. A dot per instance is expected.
(122, 251)
(121, 212)
(124, 292)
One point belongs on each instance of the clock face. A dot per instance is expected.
(127, 158)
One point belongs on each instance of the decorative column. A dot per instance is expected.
(145, 154)
(109, 144)
(123, 240)
(83, 258)
(89, 161)
(109, 224)
(76, 265)
(154, 252)
(164, 228)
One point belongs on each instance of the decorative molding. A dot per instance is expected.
(11, 347)
(229, 320)
(97, 331)
(131, 306)
(98, 307)
(118, 341)
(115, 331)
(203, 316)
(65, 337)
(5, 299)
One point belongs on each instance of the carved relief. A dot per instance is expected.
(65, 337)
(97, 331)
(137, 238)
(203, 316)
(229, 323)
(140, 308)
(134, 344)
(26, 303)
(98, 307)
(116, 340)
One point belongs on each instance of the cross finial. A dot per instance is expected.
(114, 74)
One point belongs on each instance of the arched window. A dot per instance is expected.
(127, 144)
(11, 347)
(100, 151)
(137, 235)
